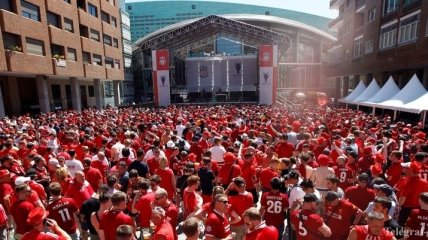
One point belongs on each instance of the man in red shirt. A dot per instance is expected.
(229, 170)
(393, 172)
(80, 190)
(345, 174)
(171, 211)
(274, 205)
(240, 201)
(340, 214)
(20, 210)
(374, 229)
(36, 219)
(284, 149)
(217, 225)
(191, 199)
(142, 203)
(307, 224)
(63, 210)
(163, 229)
(92, 175)
(249, 174)
(417, 222)
(360, 195)
(115, 217)
(268, 173)
(409, 193)
(257, 229)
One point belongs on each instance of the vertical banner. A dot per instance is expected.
(268, 73)
(161, 83)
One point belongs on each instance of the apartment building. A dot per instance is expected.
(56, 54)
(378, 39)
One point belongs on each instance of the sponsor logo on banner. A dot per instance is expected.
(266, 56)
(238, 68)
(266, 78)
(162, 79)
(162, 60)
(203, 71)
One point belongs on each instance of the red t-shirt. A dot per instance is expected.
(167, 176)
(190, 202)
(359, 196)
(412, 189)
(153, 165)
(417, 221)
(363, 233)
(93, 176)
(339, 217)
(424, 172)
(145, 209)
(394, 171)
(79, 192)
(346, 176)
(62, 211)
(274, 205)
(163, 231)
(36, 235)
(228, 172)
(262, 232)
(101, 166)
(20, 211)
(3, 216)
(113, 219)
(266, 175)
(249, 174)
(239, 203)
(308, 226)
(5, 189)
(284, 149)
(217, 225)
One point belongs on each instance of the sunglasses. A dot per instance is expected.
(225, 202)
(158, 198)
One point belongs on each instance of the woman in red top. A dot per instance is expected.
(167, 176)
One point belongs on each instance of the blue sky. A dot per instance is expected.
(317, 7)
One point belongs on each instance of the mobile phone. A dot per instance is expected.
(45, 222)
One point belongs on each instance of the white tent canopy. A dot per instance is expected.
(354, 94)
(386, 92)
(412, 91)
(370, 91)
(417, 106)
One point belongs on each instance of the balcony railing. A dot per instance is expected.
(360, 3)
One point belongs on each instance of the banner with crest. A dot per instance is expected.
(161, 83)
(268, 73)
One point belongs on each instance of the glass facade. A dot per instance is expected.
(147, 17)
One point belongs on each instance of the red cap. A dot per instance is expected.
(373, 130)
(36, 216)
(379, 158)
(323, 160)
(321, 140)
(192, 157)
(229, 158)
(368, 150)
(376, 169)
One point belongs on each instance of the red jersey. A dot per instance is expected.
(394, 171)
(36, 235)
(265, 176)
(143, 205)
(217, 225)
(93, 176)
(346, 176)
(62, 211)
(163, 231)
(111, 220)
(412, 189)
(20, 211)
(5, 189)
(249, 174)
(228, 172)
(3, 216)
(418, 223)
(339, 217)
(101, 166)
(424, 172)
(306, 223)
(284, 149)
(190, 201)
(262, 232)
(363, 233)
(274, 204)
(359, 196)
(153, 165)
(79, 192)
(167, 176)
(239, 203)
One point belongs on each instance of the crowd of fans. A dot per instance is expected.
(213, 172)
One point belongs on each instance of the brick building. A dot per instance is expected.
(57, 54)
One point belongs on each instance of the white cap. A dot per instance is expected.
(20, 180)
(54, 162)
(170, 144)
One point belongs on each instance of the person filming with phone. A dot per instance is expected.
(38, 219)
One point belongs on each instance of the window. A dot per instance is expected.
(358, 46)
(57, 51)
(408, 2)
(109, 62)
(86, 57)
(84, 31)
(11, 41)
(92, 10)
(346, 54)
(91, 91)
(30, 10)
(107, 39)
(71, 54)
(372, 15)
(95, 35)
(96, 59)
(115, 43)
(113, 21)
(390, 6)
(347, 28)
(68, 25)
(387, 37)
(6, 5)
(117, 63)
(408, 28)
(35, 46)
(105, 17)
(53, 19)
(369, 46)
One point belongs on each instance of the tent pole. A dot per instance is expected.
(346, 106)
(374, 111)
(395, 115)
(423, 119)
(358, 108)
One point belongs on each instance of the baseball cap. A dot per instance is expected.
(54, 162)
(310, 197)
(21, 180)
(239, 181)
(384, 188)
(36, 216)
(363, 177)
(331, 196)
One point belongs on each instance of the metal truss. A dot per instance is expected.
(211, 25)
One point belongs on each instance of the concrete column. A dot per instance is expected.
(2, 111)
(64, 102)
(337, 93)
(43, 92)
(345, 86)
(98, 97)
(425, 77)
(75, 94)
(116, 90)
(12, 83)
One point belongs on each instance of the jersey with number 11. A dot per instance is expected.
(62, 211)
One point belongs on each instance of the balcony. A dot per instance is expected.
(14, 23)
(336, 23)
(28, 63)
(63, 38)
(69, 68)
(410, 6)
(335, 4)
(360, 4)
(89, 20)
(94, 71)
(92, 46)
(3, 65)
(114, 74)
